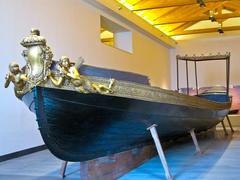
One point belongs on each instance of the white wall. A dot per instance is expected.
(72, 28)
(123, 40)
(209, 73)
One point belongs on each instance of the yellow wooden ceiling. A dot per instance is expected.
(183, 17)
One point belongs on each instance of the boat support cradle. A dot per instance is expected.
(193, 135)
(63, 169)
(160, 149)
(230, 125)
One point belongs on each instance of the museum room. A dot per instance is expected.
(119, 89)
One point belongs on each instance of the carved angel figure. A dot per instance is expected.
(69, 71)
(17, 77)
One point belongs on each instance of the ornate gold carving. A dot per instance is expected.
(18, 78)
(37, 70)
(68, 71)
(38, 57)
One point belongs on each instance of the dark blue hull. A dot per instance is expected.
(80, 127)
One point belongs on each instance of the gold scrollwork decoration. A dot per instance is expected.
(68, 71)
(38, 56)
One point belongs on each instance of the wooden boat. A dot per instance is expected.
(107, 119)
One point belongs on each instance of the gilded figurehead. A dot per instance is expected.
(17, 77)
(38, 57)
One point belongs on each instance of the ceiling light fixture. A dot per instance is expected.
(220, 30)
(201, 3)
(212, 16)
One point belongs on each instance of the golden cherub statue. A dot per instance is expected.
(38, 69)
(69, 71)
(17, 77)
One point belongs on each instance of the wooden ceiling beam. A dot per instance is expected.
(166, 14)
(227, 7)
(196, 18)
(176, 4)
(176, 12)
(182, 27)
(140, 1)
(233, 3)
(188, 13)
(231, 7)
(208, 30)
(188, 24)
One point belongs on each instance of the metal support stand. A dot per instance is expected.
(160, 151)
(230, 124)
(195, 141)
(63, 168)
(224, 128)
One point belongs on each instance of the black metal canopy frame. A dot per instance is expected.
(196, 59)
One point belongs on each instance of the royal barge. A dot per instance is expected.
(82, 116)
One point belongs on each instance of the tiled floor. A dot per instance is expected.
(220, 161)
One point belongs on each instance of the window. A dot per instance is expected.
(115, 35)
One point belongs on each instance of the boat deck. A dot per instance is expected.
(220, 160)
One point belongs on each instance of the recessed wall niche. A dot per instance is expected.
(115, 35)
